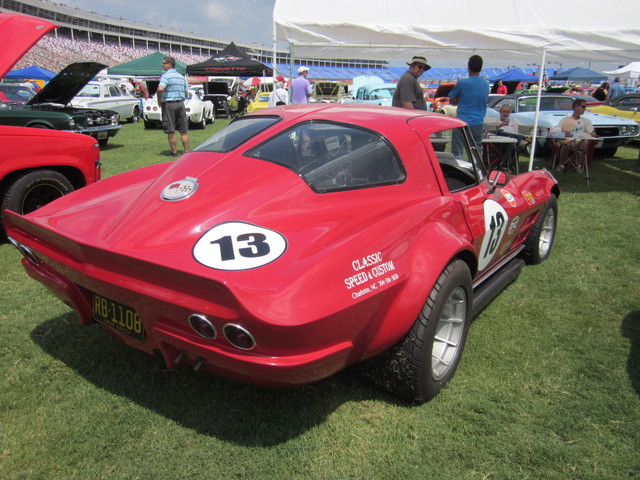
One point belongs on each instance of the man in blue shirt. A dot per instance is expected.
(172, 92)
(617, 89)
(470, 95)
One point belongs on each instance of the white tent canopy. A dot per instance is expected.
(633, 69)
(524, 30)
(453, 30)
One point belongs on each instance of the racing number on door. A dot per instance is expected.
(496, 227)
(495, 221)
(239, 246)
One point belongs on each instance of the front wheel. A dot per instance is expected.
(136, 115)
(34, 190)
(540, 240)
(422, 364)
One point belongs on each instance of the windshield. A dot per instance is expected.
(89, 91)
(238, 132)
(332, 157)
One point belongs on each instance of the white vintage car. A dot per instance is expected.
(613, 131)
(200, 112)
(108, 95)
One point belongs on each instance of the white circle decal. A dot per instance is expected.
(495, 222)
(239, 246)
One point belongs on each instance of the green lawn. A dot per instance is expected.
(548, 387)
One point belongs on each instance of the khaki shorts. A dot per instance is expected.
(174, 117)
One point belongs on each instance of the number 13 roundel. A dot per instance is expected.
(239, 246)
(495, 222)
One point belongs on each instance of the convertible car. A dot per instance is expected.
(554, 107)
(352, 240)
(199, 111)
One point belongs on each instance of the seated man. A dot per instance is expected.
(508, 127)
(575, 128)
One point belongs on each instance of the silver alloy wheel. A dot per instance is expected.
(547, 233)
(449, 332)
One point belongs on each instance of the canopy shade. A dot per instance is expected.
(514, 75)
(147, 66)
(632, 68)
(34, 72)
(230, 62)
(369, 29)
(579, 74)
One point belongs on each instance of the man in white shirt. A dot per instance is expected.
(575, 127)
(279, 96)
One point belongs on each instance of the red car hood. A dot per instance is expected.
(18, 33)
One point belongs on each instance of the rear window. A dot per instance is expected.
(333, 157)
(238, 132)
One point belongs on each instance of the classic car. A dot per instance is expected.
(199, 111)
(441, 97)
(352, 240)
(14, 92)
(260, 102)
(51, 106)
(625, 106)
(613, 131)
(217, 93)
(375, 94)
(36, 165)
(327, 92)
(108, 95)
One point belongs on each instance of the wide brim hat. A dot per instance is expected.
(303, 69)
(421, 60)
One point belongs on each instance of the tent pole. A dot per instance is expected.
(535, 121)
(274, 58)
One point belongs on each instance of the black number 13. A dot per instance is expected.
(248, 245)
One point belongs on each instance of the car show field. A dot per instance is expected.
(537, 374)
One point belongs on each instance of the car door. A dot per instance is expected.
(493, 215)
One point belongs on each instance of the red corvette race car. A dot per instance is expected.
(298, 241)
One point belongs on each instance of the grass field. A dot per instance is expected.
(548, 387)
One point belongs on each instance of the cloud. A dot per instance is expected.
(219, 13)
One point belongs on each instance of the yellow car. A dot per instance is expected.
(261, 101)
(626, 106)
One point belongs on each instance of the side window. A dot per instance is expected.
(114, 91)
(460, 164)
(333, 157)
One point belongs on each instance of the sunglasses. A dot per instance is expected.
(422, 67)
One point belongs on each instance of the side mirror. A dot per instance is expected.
(498, 178)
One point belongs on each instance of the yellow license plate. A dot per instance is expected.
(120, 317)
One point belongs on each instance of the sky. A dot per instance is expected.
(242, 21)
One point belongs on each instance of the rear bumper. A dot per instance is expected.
(180, 346)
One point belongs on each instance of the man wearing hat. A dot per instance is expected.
(300, 87)
(408, 92)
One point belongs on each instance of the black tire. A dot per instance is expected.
(136, 115)
(540, 240)
(607, 152)
(202, 124)
(103, 141)
(148, 124)
(34, 190)
(421, 365)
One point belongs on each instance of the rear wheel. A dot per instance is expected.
(422, 364)
(540, 241)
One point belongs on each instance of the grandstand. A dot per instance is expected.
(86, 36)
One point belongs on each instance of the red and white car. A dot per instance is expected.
(298, 241)
(38, 165)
